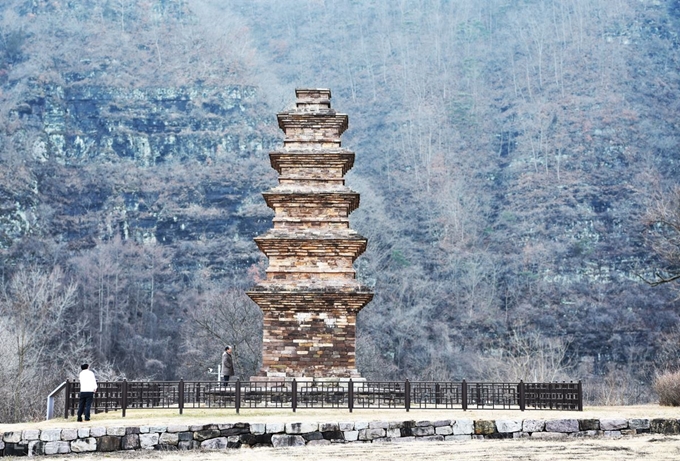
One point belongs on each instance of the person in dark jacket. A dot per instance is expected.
(227, 364)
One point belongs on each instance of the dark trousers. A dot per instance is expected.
(225, 378)
(84, 405)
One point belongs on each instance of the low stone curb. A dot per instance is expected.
(240, 435)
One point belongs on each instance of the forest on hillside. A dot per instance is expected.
(517, 162)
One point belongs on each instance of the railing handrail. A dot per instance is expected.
(49, 413)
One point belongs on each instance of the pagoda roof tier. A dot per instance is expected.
(305, 195)
(312, 233)
(276, 246)
(311, 221)
(312, 158)
(318, 120)
(276, 298)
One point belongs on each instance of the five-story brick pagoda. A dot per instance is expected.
(310, 297)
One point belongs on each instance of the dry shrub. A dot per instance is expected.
(667, 386)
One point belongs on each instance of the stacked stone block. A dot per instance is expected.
(310, 297)
(277, 434)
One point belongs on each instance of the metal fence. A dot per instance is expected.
(294, 394)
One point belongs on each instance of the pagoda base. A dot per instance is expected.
(309, 334)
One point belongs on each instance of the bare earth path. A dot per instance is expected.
(651, 447)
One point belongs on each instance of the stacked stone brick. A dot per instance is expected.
(310, 297)
(277, 434)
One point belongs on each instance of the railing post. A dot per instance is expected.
(197, 395)
(180, 397)
(237, 396)
(96, 399)
(67, 398)
(350, 395)
(522, 399)
(294, 399)
(580, 396)
(124, 398)
(407, 395)
(464, 395)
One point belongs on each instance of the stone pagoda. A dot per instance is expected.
(310, 297)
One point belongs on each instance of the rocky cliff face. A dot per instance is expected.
(84, 123)
(164, 165)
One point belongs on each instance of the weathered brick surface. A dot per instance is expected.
(310, 297)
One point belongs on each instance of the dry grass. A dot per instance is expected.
(667, 386)
(205, 416)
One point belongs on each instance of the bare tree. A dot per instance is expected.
(527, 356)
(224, 316)
(37, 338)
(663, 235)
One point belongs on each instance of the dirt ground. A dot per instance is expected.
(218, 416)
(651, 447)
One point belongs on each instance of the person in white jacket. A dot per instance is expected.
(88, 386)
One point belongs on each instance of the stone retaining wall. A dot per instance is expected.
(240, 435)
